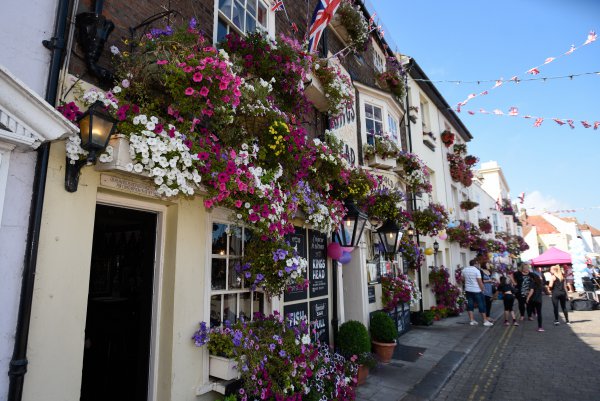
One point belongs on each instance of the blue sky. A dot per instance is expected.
(556, 166)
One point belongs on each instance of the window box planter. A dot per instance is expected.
(381, 163)
(121, 157)
(315, 93)
(429, 143)
(223, 368)
(339, 28)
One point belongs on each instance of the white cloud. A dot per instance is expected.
(537, 203)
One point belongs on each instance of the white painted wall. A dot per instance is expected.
(24, 25)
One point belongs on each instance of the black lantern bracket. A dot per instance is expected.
(353, 224)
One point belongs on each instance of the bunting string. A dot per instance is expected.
(532, 71)
(514, 112)
(481, 81)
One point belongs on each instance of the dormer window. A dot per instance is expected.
(241, 16)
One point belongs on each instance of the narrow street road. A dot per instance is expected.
(519, 363)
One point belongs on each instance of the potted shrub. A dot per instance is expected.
(354, 342)
(383, 336)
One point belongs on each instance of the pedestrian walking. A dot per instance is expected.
(508, 298)
(558, 293)
(569, 277)
(474, 293)
(534, 298)
(488, 290)
(523, 281)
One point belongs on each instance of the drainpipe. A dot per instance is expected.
(413, 198)
(18, 363)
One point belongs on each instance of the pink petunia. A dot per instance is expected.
(197, 77)
(162, 62)
(189, 68)
(208, 203)
(204, 91)
(238, 203)
(189, 91)
(223, 86)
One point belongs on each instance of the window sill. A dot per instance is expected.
(429, 144)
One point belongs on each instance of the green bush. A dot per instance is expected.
(383, 328)
(353, 339)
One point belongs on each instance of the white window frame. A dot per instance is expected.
(424, 106)
(375, 121)
(395, 132)
(221, 218)
(378, 59)
(218, 14)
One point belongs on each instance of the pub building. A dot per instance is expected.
(124, 274)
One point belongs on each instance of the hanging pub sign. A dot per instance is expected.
(296, 312)
(317, 263)
(319, 316)
(298, 241)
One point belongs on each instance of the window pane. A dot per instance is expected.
(258, 302)
(251, 7)
(245, 306)
(261, 16)
(230, 308)
(368, 111)
(378, 128)
(235, 279)
(225, 7)
(222, 30)
(218, 274)
(250, 24)
(377, 113)
(237, 15)
(215, 310)
(370, 126)
(219, 239)
(235, 241)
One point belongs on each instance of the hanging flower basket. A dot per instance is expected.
(447, 138)
(468, 204)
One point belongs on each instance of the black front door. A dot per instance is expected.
(119, 310)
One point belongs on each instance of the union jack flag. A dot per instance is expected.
(323, 14)
(277, 5)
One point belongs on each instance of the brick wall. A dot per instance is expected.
(128, 14)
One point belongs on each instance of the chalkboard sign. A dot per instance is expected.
(319, 316)
(371, 290)
(317, 263)
(298, 241)
(297, 312)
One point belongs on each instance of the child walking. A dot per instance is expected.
(508, 297)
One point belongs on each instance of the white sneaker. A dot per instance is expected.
(488, 323)
(473, 323)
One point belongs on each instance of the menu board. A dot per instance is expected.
(296, 312)
(298, 241)
(317, 263)
(319, 316)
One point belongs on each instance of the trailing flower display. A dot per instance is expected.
(383, 147)
(447, 138)
(411, 253)
(355, 23)
(447, 295)
(414, 172)
(383, 204)
(468, 204)
(337, 85)
(279, 361)
(485, 226)
(397, 290)
(430, 220)
(465, 233)
(460, 169)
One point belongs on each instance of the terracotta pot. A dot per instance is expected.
(384, 351)
(361, 377)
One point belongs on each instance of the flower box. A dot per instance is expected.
(223, 368)
(339, 28)
(381, 163)
(120, 157)
(315, 93)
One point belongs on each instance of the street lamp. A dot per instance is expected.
(95, 130)
(353, 224)
(436, 248)
(389, 236)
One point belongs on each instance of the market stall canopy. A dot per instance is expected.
(552, 256)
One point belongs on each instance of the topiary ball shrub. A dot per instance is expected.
(353, 339)
(383, 328)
